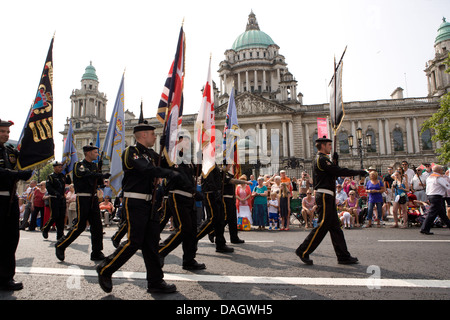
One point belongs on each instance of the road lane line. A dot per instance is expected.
(346, 282)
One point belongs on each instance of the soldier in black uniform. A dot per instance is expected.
(324, 175)
(9, 209)
(142, 221)
(86, 180)
(56, 185)
(215, 216)
(180, 205)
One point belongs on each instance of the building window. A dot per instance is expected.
(397, 135)
(426, 140)
(373, 146)
(343, 142)
(314, 138)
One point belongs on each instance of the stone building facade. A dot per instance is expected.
(274, 119)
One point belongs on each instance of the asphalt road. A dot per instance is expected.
(395, 264)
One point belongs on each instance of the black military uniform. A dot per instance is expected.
(180, 204)
(215, 216)
(9, 210)
(86, 180)
(142, 222)
(229, 207)
(56, 183)
(324, 176)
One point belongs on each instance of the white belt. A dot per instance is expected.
(182, 193)
(84, 194)
(135, 195)
(5, 193)
(331, 193)
(228, 196)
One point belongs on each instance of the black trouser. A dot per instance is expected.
(437, 208)
(229, 208)
(328, 221)
(143, 233)
(185, 222)
(87, 210)
(215, 220)
(33, 220)
(57, 216)
(9, 237)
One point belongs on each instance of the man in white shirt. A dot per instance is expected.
(437, 188)
(427, 171)
(341, 196)
(418, 185)
(409, 172)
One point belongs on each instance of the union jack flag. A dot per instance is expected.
(170, 109)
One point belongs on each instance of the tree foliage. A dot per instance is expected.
(440, 123)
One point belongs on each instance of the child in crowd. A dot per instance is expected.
(273, 211)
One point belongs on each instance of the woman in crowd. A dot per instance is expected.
(375, 189)
(106, 208)
(243, 200)
(351, 205)
(71, 200)
(285, 206)
(260, 194)
(308, 208)
(400, 188)
(37, 205)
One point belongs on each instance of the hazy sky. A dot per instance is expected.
(388, 42)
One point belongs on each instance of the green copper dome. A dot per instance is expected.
(252, 37)
(90, 73)
(443, 32)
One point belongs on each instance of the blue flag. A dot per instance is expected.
(231, 133)
(70, 156)
(114, 143)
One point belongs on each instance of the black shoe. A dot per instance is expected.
(237, 241)
(211, 237)
(349, 260)
(305, 259)
(115, 243)
(97, 256)
(224, 249)
(162, 287)
(194, 266)
(60, 253)
(426, 232)
(11, 285)
(45, 234)
(104, 281)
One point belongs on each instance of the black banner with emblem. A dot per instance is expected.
(36, 145)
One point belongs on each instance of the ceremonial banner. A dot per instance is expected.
(170, 109)
(70, 156)
(322, 128)
(337, 112)
(230, 135)
(114, 143)
(36, 144)
(205, 128)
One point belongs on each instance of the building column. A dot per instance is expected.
(258, 135)
(239, 82)
(307, 142)
(255, 80)
(285, 142)
(388, 136)
(291, 139)
(381, 136)
(409, 140)
(247, 82)
(416, 135)
(264, 81)
(264, 138)
(354, 151)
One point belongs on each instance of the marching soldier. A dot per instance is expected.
(86, 179)
(324, 176)
(215, 216)
(180, 204)
(9, 209)
(142, 221)
(56, 184)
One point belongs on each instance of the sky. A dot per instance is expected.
(388, 43)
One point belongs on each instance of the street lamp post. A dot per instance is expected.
(359, 147)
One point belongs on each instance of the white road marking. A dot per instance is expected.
(421, 241)
(358, 282)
